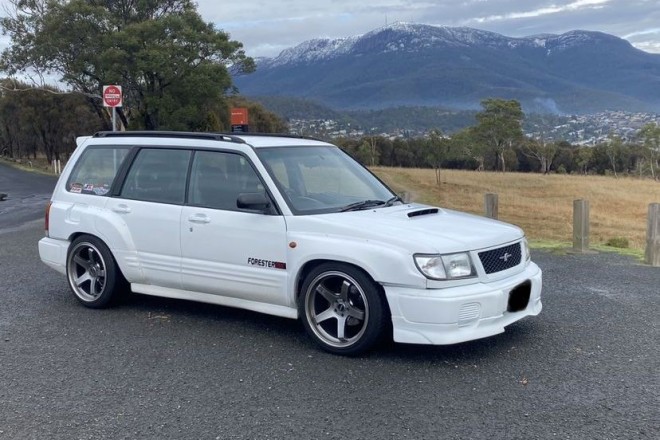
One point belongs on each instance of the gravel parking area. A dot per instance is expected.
(586, 368)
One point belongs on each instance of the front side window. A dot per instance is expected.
(217, 178)
(96, 170)
(322, 179)
(157, 175)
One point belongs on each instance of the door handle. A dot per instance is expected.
(121, 209)
(199, 218)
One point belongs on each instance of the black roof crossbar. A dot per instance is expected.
(171, 134)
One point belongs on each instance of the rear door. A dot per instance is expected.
(150, 203)
(225, 250)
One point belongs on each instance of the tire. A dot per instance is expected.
(93, 275)
(342, 309)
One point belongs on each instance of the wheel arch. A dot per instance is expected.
(78, 234)
(310, 265)
(90, 261)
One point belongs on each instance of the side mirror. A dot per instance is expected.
(255, 202)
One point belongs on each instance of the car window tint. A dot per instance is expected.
(217, 178)
(96, 170)
(158, 175)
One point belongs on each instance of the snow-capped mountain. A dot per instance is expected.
(415, 64)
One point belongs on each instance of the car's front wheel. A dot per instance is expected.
(93, 275)
(342, 309)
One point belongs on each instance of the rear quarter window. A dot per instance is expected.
(96, 170)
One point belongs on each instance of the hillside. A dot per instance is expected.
(541, 204)
(455, 68)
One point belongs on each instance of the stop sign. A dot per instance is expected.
(112, 96)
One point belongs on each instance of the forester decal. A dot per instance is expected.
(266, 263)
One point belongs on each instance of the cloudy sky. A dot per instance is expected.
(265, 27)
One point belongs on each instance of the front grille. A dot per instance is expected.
(497, 260)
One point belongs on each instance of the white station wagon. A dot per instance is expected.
(283, 225)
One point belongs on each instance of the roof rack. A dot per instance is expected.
(171, 134)
(280, 135)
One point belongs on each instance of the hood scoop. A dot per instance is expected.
(423, 212)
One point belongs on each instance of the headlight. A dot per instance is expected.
(445, 267)
(525, 250)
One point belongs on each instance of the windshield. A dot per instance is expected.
(323, 179)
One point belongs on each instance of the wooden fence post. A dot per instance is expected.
(581, 225)
(491, 205)
(653, 236)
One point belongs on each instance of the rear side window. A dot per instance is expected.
(96, 170)
(157, 175)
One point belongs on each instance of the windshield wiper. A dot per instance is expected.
(392, 201)
(364, 204)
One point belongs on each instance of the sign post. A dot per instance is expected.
(112, 97)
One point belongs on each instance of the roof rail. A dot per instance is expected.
(280, 135)
(171, 134)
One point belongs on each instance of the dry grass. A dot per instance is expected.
(541, 205)
(40, 164)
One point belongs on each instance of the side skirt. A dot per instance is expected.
(269, 309)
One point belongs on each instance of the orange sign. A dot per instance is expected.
(239, 116)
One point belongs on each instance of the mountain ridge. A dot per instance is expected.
(457, 67)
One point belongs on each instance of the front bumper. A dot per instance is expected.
(459, 314)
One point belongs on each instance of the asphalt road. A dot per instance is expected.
(586, 368)
(27, 195)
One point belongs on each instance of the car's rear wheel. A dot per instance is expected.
(93, 275)
(342, 309)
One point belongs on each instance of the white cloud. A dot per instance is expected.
(642, 32)
(266, 27)
(648, 46)
(553, 9)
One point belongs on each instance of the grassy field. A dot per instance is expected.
(541, 205)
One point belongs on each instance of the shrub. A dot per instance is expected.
(618, 242)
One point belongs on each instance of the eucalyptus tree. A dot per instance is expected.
(499, 127)
(650, 138)
(173, 66)
(42, 120)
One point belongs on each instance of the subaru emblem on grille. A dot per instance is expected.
(506, 256)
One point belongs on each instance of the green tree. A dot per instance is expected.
(566, 157)
(172, 65)
(261, 120)
(46, 119)
(439, 150)
(499, 126)
(541, 151)
(649, 135)
(613, 149)
(583, 158)
(469, 144)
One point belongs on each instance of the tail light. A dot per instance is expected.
(47, 218)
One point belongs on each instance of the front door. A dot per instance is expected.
(225, 250)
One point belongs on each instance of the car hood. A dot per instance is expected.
(414, 227)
